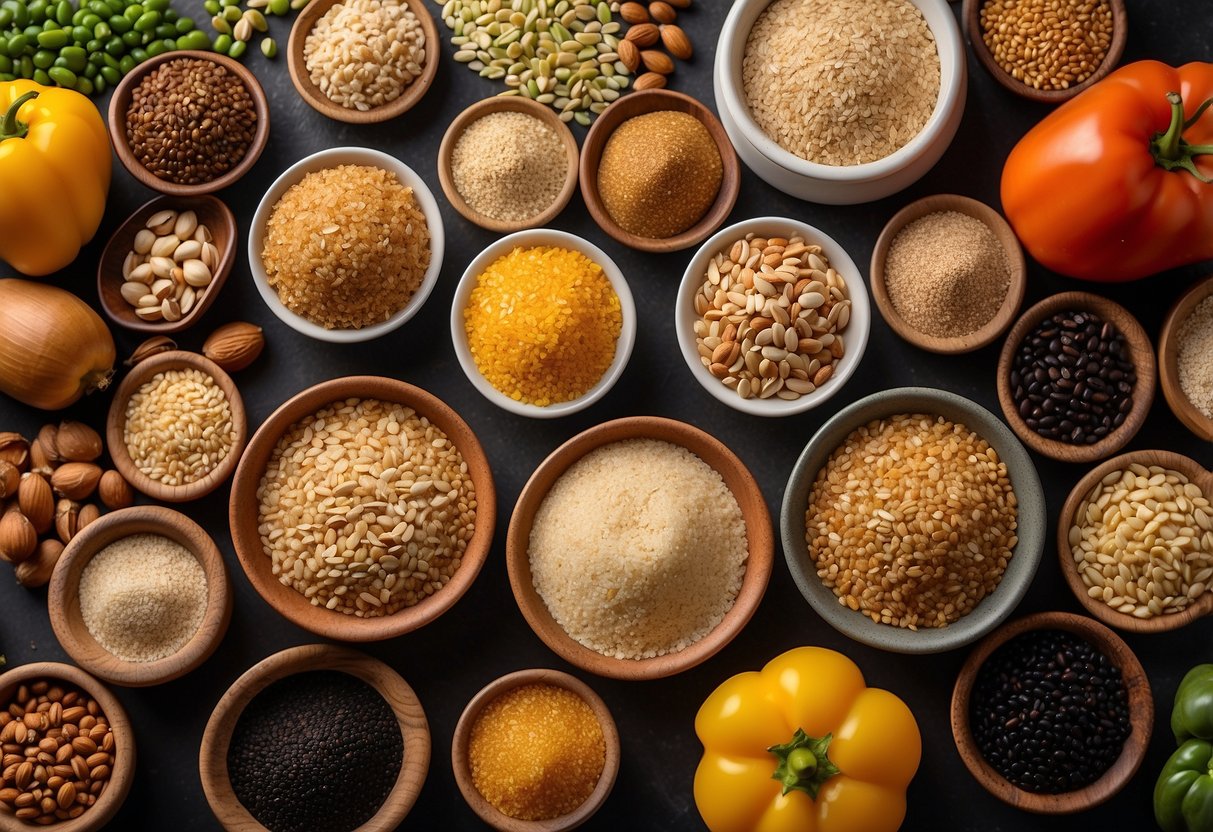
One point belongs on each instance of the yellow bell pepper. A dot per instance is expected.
(805, 746)
(55, 174)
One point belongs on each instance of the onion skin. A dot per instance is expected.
(53, 347)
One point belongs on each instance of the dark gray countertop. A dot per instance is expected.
(484, 635)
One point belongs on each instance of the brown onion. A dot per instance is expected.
(53, 347)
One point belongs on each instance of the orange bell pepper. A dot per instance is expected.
(805, 746)
(1117, 183)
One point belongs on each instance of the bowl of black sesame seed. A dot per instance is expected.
(1052, 713)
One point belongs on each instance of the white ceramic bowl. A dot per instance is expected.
(526, 239)
(329, 159)
(839, 185)
(855, 336)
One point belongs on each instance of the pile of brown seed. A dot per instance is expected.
(59, 753)
(1047, 44)
(190, 121)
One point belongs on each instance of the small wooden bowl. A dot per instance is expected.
(509, 104)
(1141, 715)
(115, 425)
(638, 104)
(1199, 608)
(971, 14)
(243, 511)
(463, 736)
(324, 105)
(212, 213)
(1168, 360)
(123, 773)
(1140, 350)
(736, 476)
(414, 730)
(1010, 244)
(64, 596)
(121, 101)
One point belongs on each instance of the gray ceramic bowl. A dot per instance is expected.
(1031, 522)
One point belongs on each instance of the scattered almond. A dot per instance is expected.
(655, 61)
(17, 537)
(88, 513)
(662, 12)
(48, 442)
(10, 479)
(36, 500)
(114, 491)
(152, 346)
(14, 448)
(77, 442)
(643, 34)
(234, 346)
(36, 571)
(649, 81)
(676, 42)
(629, 54)
(76, 480)
(66, 513)
(633, 13)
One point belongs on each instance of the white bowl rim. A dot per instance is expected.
(855, 337)
(534, 237)
(344, 156)
(730, 50)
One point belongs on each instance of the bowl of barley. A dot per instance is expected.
(362, 509)
(939, 492)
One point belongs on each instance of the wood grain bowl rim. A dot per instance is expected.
(642, 103)
(400, 696)
(1168, 359)
(123, 774)
(971, 15)
(115, 426)
(321, 103)
(463, 733)
(121, 98)
(1141, 716)
(741, 483)
(1009, 243)
(1199, 608)
(64, 596)
(109, 266)
(243, 508)
(1141, 351)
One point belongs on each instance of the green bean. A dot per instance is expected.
(147, 22)
(90, 71)
(99, 84)
(196, 39)
(19, 11)
(6, 17)
(110, 74)
(126, 63)
(165, 30)
(155, 48)
(89, 20)
(84, 86)
(109, 60)
(44, 59)
(62, 76)
(75, 56)
(16, 45)
(119, 24)
(132, 38)
(40, 77)
(185, 25)
(54, 39)
(212, 7)
(237, 49)
(232, 14)
(280, 7)
(63, 12)
(115, 47)
(6, 63)
(222, 43)
(80, 34)
(133, 12)
(139, 54)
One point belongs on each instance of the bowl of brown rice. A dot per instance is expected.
(840, 101)
(914, 521)
(346, 245)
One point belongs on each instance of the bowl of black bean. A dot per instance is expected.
(1052, 713)
(1076, 377)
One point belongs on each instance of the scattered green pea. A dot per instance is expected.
(237, 49)
(280, 7)
(212, 7)
(269, 48)
(196, 39)
(222, 43)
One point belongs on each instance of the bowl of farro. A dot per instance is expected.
(914, 521)
(823, 101)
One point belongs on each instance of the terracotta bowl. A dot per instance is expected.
(414, 730)
(320, 102)
(123, 773)
(463, 735)
(121, 100)
(758, 532)
(1010, 245)
(212, 213)
(1141, 715)
(971, 15)
(243, 511)
(509, 104)
(1168, 360)
(64, 596)
(115, 425)
(637, 104)
(1140, 351)
(1199, 608)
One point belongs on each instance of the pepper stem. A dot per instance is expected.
(1169, 148)
(10, 127)
(804, 763)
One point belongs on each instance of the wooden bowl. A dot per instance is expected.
(463, 735)
(320, 102)
(243, 511)
(121, 100)
(64, 596)
(758, 533)
(212, 213)
(971, 14)
(1140, 351)
(637, 104)
(509, 104)
(1015, 290)
(414, 729)
(115, 425)
(1199, 608)
(123, 773)
(1168, 360)
(1141, 715)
